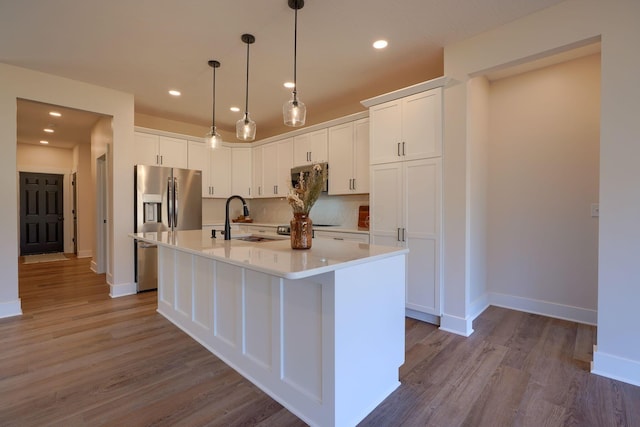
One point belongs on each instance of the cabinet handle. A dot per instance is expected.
(249, 190)
(338, 238)
(161, 160)
(398, 237)
(275, 189)
(403, 233)
(213, 190)
(403, 153)
(398, 149)
(157, 159)
(259, 190)
(354, 184)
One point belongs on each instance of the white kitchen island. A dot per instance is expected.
(321, 330)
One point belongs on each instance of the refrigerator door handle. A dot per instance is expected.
(175, 201)
(169, 203)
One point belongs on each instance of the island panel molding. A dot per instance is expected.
(323, 336)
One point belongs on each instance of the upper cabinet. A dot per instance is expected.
(241, 171)
(272, 165)
(408, 128)
(158, 150)
(215, 166)
(310, 148)
(348, 150)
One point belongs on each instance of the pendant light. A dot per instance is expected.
(294, 110)
(245, 127)
(213, 137)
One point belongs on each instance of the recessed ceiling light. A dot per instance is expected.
(48, 130)
(289, 85)
(174, 92)
(234, 109)
(55, 114)
(380, 44)
(44, 142)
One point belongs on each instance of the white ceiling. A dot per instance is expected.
(146, 47)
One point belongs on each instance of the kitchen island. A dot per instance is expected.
(321, 330)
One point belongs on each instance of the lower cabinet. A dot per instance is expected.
(405, 210)
(341, 235)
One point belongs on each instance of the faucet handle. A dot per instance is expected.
(213, 233)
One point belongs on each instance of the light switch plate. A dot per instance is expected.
(595, 210)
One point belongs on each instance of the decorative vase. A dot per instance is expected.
(301, 231)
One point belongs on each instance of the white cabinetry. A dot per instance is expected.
(408, 128)
(241, 171)
(272, 168)
(349, 158)
(158, 150)
(215, 166)
(406, 187)
(341, 235)
(310, 148)
(405, 211)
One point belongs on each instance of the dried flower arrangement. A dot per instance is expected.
(307, 190)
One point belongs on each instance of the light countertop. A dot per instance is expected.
(273, 257)
(220, 225)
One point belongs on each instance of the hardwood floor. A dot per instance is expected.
(79, 358)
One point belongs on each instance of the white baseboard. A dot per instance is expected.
(10, 308)
(424, 317)
(478, 306)
(615, 367)
(94, 267)
(545, 308)
(122, 289)
(456, 325)
(85, 254)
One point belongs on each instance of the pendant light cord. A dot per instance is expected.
(213, 113)
(246, 98)
(295, 54)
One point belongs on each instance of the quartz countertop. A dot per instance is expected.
(220, 225)
(273, 257)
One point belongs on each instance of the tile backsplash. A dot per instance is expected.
(332, 210)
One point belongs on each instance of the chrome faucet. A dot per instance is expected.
(227, 226)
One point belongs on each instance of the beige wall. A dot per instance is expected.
(543, 176)
(564, 26)
(85, 200)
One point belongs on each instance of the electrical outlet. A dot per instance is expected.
(595, 210)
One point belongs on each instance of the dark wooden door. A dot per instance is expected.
(41, 218)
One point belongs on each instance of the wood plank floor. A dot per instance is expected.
(79, 358)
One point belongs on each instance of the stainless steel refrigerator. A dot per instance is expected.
(165, 199)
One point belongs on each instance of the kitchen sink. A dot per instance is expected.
(255, 238)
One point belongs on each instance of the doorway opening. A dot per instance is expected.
(41, 213)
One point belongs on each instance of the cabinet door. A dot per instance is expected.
(422, 125)
(385, 132)
(198, 158)
(421, 234)
(241, 171)
(341, 152)
(301, 149)
(270, 169)
(221, 172)
(285, 163)
(172, 152)
(258, 179)
(310, 148)
(386, 204)
(361, 157)
(146, 149)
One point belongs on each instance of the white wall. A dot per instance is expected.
(563, 26)
(85, 200)
(477, 182)
(543, 177)
(18, 82)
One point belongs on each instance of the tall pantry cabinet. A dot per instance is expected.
(406, 187)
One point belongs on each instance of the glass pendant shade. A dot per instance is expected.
(246, 128)
(294, 112)
(213, 138)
